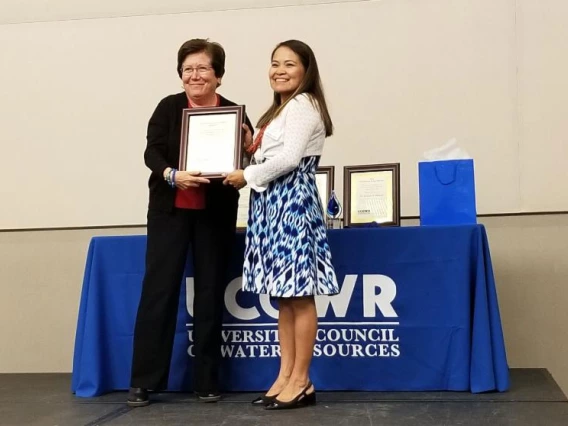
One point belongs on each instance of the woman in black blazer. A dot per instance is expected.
(184, 209)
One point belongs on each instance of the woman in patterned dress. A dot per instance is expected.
(287, 254)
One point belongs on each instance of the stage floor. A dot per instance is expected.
(46, 400)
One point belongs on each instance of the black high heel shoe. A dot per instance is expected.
(264, 400)
(302, 400)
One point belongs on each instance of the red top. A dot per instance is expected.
(257, 141)
(192, 197)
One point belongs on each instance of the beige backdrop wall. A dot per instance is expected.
(401, 76)
(410, 73)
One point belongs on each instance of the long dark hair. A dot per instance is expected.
(311, 84)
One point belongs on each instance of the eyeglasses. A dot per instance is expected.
(200, 70)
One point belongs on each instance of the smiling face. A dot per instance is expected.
(198, 76)
(286, 72)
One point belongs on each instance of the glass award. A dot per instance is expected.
(333, 212)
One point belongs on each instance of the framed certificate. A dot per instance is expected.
(372, 195)
(243, 208)
(325, 176)
(211, 140)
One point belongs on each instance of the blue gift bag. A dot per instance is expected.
(447, 192)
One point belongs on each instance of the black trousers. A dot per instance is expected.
(210, 233)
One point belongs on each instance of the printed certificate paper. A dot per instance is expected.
(243, 207)
(371, 197)
(322, 185)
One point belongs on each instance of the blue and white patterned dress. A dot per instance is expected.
(287, 253)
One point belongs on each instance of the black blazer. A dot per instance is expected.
(162, 148)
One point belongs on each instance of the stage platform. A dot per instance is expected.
(46, 400)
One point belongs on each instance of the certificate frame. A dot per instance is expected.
(236, 143)
(389, 170)
(329, 173)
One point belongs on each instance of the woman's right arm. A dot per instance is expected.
(157, 147)
(157, 139)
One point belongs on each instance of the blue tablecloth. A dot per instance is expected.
(418, 311)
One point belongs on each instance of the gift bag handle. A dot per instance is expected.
(446, 173)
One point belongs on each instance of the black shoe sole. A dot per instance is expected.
(137, 404)
(209, 398)
(308, 400)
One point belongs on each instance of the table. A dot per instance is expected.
(417, 311)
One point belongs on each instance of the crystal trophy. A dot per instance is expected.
(333, 212)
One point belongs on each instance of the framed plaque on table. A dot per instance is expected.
(243, 208)
(372, 195)
(211, 140)
(325, 176)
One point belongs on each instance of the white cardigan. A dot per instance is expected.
(297, 132)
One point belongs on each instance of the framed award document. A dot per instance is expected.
(372, 195)
(325, 176)
(211, 140)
